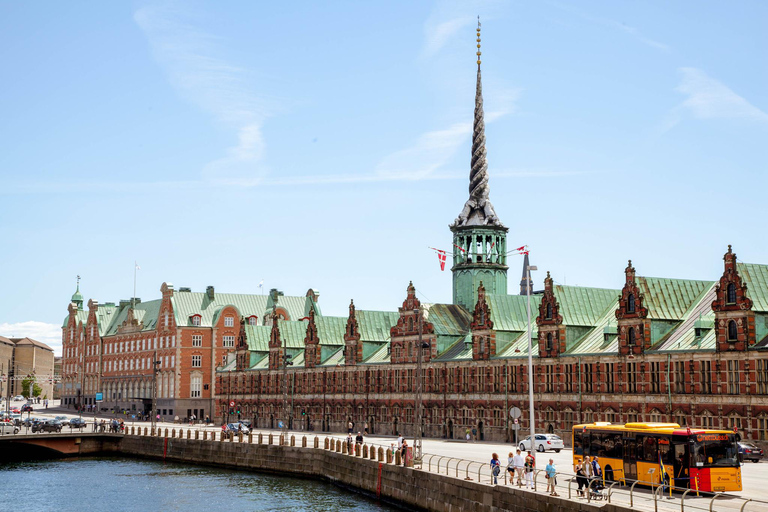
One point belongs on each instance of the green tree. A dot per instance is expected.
(36, 389)
(26, 384)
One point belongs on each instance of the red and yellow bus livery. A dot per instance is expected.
(705, 460)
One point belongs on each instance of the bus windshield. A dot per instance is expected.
(715, 450)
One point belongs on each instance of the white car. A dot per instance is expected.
(544, 442)
(6, 427)
(18, 398)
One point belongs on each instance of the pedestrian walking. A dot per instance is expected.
(350, 426)
(529, 467)
(519, 466)
(582, 476)
(511, 467)
(495, 468)
(551, 474)
(404, 452)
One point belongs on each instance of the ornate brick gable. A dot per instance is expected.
(483, 335)
(353, 349)
(311, 343)
(550, 323)
(275, 345)
(734, 318)
(404, 335)
(634, 328)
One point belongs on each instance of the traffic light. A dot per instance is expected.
(287, 358)
(303, 412)
(238, 411)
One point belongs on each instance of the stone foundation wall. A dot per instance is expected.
(412, 488)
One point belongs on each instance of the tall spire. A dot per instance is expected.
(478, 209)
(77, 297)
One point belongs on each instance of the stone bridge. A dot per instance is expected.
(37, 446)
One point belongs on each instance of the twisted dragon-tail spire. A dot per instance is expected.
(478, 209)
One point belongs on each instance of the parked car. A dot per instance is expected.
(544, 442)
(749, 451)
(47, 426)
(63, 420)
(235, 428)
(77, 423)
(247, 423)
(15, 410)
(26, 408)
(7, 427)
(18, 398)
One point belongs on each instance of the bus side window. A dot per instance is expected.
(629, 448)
(650, 449)
(639, 447)
(577, 444)
(597, 446)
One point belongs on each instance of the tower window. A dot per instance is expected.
(732, 331)
(730, 296)
(631, 337)
(410, 323)
(549, 311)
(631, 303)
(549, 341)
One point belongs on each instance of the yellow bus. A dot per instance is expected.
(705, 460)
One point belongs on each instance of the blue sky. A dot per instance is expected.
(326, 145)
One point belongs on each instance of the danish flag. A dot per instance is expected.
(441, 258)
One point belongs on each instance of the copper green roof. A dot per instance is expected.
(335, 358)
(670, 299)
(257, 337)
(756, 278)
(509, 312)
(330, 329)
(682, 337)
(380, 356)
(186, 304)
(375, 325)
(595, 341)
(105, 314)
(584, 306)
(517, 345)
(459, 350)
(145, 312)
(292, 333)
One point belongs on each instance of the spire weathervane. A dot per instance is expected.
(478, 209)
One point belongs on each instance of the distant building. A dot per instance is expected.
(24, 357)
(109, 348)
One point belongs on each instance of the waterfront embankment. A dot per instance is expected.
(369, 473)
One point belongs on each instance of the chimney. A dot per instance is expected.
(209, 292)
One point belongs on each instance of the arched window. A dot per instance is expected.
(253, 320)
(351, 328)
(549, 341)
(549, 311)
(410, 323)
(631, 303)
(631, 337)
(730, 296)
(732, 331)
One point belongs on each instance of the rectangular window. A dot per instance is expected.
(588, 378)
(631, 378)
(733, 377)
(196, 385)
(609, 377)
(762, 376)
(705, 377)
(229, 341)
(197, 340)
(229, 321)
(197, 361)
(679, 376)
(655, 379)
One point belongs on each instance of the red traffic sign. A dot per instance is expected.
(232, 403)
(515, 421)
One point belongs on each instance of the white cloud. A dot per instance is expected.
(50, 334)
(216, 86)
(708, 98)
(437, 34)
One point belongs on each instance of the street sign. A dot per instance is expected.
(99, 397)
(515, 427)
(516, 421)
(232, 403)
(515, 412)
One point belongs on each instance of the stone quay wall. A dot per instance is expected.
(367, 472)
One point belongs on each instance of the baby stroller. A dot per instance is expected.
(596, 488)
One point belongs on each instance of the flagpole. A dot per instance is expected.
(133, 299)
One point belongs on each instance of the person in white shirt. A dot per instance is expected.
(399, 441)
(519, 463)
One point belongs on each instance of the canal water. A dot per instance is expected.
(120, 484)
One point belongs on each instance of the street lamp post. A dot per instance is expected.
(155, 367)
(417, 455)
(530, 356)
(287, 413)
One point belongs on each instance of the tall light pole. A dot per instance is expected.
(530, 356)
(155, 366)
(287, 415)
(417, 455)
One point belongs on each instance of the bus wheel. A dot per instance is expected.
(608, 474)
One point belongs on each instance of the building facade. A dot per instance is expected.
(21, 358)
(694, 352)
(167, 348)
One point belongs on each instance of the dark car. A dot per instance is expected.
(749, 451)
(77, 423)
(47, 426)
(26, 408)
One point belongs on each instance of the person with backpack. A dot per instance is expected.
(495, 468)
(530, 466)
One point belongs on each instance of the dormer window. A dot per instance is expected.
(253, 320)
(733, 331)
(730, 295)
(631, 303)
(195, 319)
(631, 336)
(549, 311)
(229, 321)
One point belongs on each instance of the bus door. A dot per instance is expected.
(630, 457)
(682, 457)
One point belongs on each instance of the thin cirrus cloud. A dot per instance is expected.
(50, 334)
(437, 34)
(188, 57)
(707, 98)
